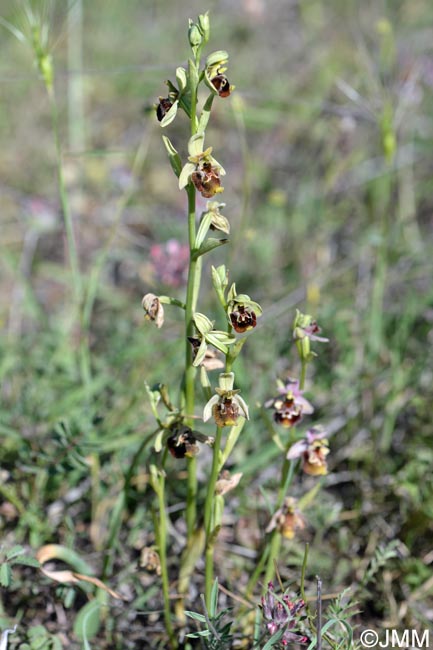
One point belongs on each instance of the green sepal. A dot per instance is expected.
(204, 26)
(232, 293)
(209, 245)
(182, 79)
(220, 278)
(218, 58)
(158, 440)
(170, 115)
(217, 344)
(195, 144)
(202, 323)
(205, 383)
(185, 174)
(201, 353)
(175, 161)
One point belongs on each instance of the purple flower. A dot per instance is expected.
(282, 613)
(290, 406)
(313, 450)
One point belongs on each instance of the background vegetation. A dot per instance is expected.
(328, 144)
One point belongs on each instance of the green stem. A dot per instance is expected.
(162, 548)
(303, 374)
(83, 356)
(274, 551)
(208, 516)
(190, 370)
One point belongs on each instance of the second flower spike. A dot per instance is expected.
(226, 406)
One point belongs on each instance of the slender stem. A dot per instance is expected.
(83, 356)
(303, 374)
(162, 548)
(273, 544)
(208, 515)
(319, 614)
(70, 236)
(190, 371)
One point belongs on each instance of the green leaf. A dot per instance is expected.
(88, 621)
(273, 640)
(173, 156)
(27, 560)
(232, 438)
(5, 575)
(202, 230)
(206, 110)
(213, 604)
(14, 552)
(208, 246)
(196, 617)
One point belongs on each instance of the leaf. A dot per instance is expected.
(206, 110)
(14, 552)
(88, 621)
(208, 246)
(196, 617)
(173, 156)
(5, 575)
(213, 604)
(27, 560)
(57, 552)
(4, 638)
(231, 441)
(273, 640)
(202, 230)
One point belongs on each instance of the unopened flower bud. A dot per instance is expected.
(194, 35)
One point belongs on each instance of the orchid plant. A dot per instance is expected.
(208, 349)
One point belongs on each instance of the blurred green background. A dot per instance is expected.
(327, 144)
